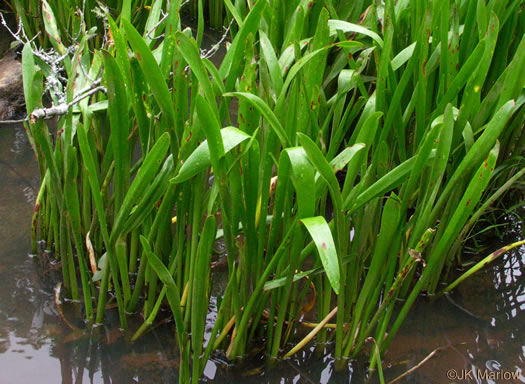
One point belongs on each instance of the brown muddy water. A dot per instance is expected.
(476, 333)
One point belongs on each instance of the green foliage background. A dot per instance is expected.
(369, 137)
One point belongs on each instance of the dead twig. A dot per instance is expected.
(59, 307)
(418, 365)
(57, 110)
(207, 53)
(62, 109)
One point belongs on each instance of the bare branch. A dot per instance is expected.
(16, 35)
(206, 54)
(13, 121)
(94, 84)
(4, 23)
(417, 366)
(154, 28)
(62, 109)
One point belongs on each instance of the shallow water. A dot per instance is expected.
(480, 327)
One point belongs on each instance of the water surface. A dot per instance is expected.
(481, 326)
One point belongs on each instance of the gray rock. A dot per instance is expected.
(11, 88)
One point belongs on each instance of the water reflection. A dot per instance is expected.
(24, 300)
(481, 327)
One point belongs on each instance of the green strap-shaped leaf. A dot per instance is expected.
(303, 61)
(139, 97)
(50, 25)
(268, 114)
(153, 19)
(216, 78)
(287, 57)
(152, 73)
(477, 152)
(316, 68)
(430, 191)
(403, 56)
(345, 26)
(232, 61)
(302, 179)
(199, 300)
(111, 264)
(294, 29)
(366, 135)
(388, 232)
(91, 168)
(470, 101)
(172, 291)
(189, 50)
(327, 173)
(386, 183)
(200, 158)
(121, 52)
(464, 209)
(346, 156)
(420, 163)
(234, 12)
(145, 175)
(212, 130)
(28, 72)
(125, 11)
(73, 208)
(461, 78)
(280, 282)
(324, 242)
(272, 63)
(119, 120)
(466, 206)
(514, 76)
(152, 194)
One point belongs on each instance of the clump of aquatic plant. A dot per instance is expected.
(66, 21)
(365, 142)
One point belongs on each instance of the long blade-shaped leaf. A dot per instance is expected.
(200, 158)
(325, 170)
(324, 242)
(349, 27)
(172, 291)
(152, 73)
(199, 301)
(118, 118)
(268, 114)
(145, 175)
